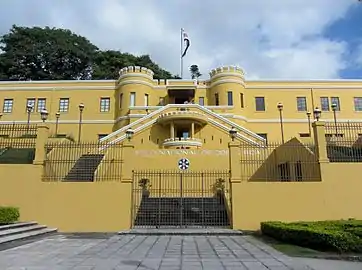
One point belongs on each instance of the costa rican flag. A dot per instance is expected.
(186, 41)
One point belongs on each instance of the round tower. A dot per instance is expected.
(227, 87)
(135, 85)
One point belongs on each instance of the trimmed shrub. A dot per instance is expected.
(324, 235)
(9, 215)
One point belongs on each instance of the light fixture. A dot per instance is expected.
(44, 115)
(57, 115)
(232, 133)
(29, 108)
(280, 106)
(129, 134)
(81, 107)
(317, 113)
(334, 107)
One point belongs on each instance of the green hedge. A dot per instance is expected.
(9, 215)
(340, 236)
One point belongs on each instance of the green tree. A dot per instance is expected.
(195, 72)
(45, 54)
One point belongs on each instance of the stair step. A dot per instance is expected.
(23, 229)
(26, 235)
(17, 225)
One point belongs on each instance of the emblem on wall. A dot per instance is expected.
(183, 164)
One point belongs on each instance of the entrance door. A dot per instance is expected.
(180, 199)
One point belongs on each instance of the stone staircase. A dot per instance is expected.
(186, 211)
(23, 231)
(83, 170)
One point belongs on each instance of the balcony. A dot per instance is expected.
(182, 114)
(182, 142)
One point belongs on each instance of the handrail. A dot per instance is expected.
(202, 108)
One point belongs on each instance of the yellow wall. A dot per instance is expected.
(74, 207)
(335, 197)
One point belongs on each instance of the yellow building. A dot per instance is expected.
(137, 142)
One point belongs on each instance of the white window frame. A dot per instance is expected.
(63, 105)
(132, 99)
(105, 104)
(8, 105)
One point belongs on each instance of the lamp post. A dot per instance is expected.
(334, 109)
(309, 127)
(129, 134)
(317, 113)
(44, 115)
(81, 109)
(29, 109)
(232, 133)
(57, 116)
(280, 109)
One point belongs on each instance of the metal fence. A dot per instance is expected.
(344, 141)
(17, 143)
(82, 162)
(277, 162)
(163, 198)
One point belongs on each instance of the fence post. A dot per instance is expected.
(320, 141)
(234, 162)
(128, 161)
(42, 135)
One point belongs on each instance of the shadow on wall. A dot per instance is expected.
(291, 161)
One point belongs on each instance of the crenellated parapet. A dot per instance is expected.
(226, 71)
(136, 71)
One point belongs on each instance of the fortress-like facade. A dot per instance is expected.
(230, 100)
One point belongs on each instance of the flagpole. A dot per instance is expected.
(181, 52)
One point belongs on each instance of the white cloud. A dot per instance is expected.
(269, 39)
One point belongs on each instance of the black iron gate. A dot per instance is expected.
(180, 199)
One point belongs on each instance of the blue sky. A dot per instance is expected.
(349, 29)
(279, 39)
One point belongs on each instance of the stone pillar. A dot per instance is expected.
(320, 141)
(42, 136)
(192, 130)
(128, 161)
(172, 130)
(234, 162)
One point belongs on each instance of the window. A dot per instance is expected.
(63, 104)
(8, 105)
(264, 136)
(298, 171)
(230, 98)
(335, 100)
(201, 101)
(324, 104)
(146, 99)
(105, 104)
(284, 172)
(217, 99)
(242, 100)
(120, 100)
(259, 104)
(132, 99)
(302, 104)
(358, 104)
(30, 102)
(41, 104)
(100, 136)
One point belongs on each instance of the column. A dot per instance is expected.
(192, 130)
(41, 140)
(172, 130)
(320, 141)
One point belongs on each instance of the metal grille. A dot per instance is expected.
(278, 162)
(180, 199)
(17, 143)
(82, 162)
(344, 141)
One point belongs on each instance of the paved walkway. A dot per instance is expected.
(143, 252)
